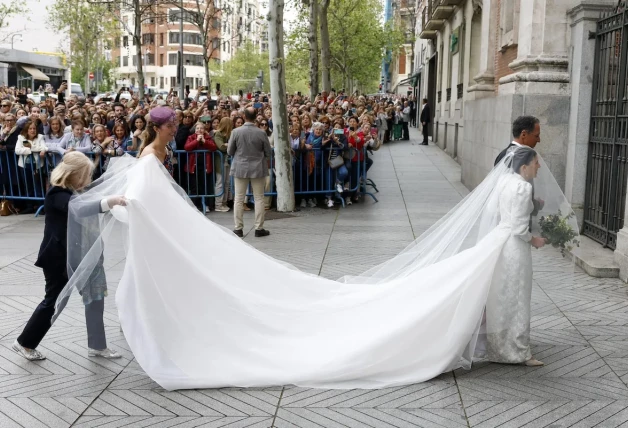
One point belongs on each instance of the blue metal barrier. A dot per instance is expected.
(30, 182)
(321, 180)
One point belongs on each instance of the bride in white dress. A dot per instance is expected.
(197, 321)
(508, 304)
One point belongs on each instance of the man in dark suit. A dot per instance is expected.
(426, 119)
(526, 131)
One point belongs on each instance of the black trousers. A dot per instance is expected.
(425, 132)
(406, 131)
(39, 323)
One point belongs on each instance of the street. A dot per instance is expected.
(579, 329)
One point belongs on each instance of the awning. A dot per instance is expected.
(37, 75)
(412, 80)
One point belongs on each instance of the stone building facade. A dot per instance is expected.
(485, 62)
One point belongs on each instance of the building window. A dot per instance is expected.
(161, 39)
(148, 39)
(125, 61)
(161, 83)
(173, 82)
(188, 38)
(509, 23)
(188, 59)
(125, 41)
(402, 61)
(152, 81)
(117, 42)
(150, 59)
(134, 63)
(161, 60)
(174, 15)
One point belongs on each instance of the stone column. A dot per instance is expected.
(4, 74)
(486, 78)
(583, 20)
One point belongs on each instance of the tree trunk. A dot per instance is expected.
(313, 40)
(325, 49)
(137, 36)
(206, 64)
(283, 157)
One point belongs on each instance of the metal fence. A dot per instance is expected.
(605, 192)
(26, 177)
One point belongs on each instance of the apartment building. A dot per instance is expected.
(234, 22)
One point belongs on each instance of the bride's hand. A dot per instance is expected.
(112, 201)
(538, 242)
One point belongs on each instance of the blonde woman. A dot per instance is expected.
(72, 175)
(223, 184)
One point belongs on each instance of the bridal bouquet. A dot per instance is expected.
(558, 232)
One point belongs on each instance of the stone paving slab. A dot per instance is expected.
(579, 328)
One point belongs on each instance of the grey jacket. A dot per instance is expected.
(250, 149)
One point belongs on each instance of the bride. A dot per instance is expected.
(194, 320)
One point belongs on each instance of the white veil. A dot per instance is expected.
(263, 322)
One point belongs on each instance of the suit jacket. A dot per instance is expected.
(426, 114)
(250, 149)
(501, 155)
(53, 251)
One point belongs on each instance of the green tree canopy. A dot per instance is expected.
(79, 18)
(358, 42)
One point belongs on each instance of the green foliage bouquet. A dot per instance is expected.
(558, 232)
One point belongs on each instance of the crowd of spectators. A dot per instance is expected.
(332, 140)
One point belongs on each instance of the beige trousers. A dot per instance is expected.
(241, 185)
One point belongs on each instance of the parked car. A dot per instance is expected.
(75, 89)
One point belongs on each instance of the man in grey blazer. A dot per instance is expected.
(250, 149)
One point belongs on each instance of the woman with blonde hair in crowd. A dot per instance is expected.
(223, 184)
(72, 175)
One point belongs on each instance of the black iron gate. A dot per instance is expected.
(607, 166)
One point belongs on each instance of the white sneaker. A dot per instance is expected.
(303, 203)
(29, 354)
(312, 203)
(330, 203)
(207, 210)
(105, 353)
(339, 188)
(348, 202)
(222, 208)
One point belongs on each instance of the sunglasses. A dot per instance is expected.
(5, 105)
(264, 124)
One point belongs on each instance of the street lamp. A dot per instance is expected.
(13, 36)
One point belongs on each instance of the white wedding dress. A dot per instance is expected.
(199, 318)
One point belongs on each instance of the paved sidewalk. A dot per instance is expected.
(579, 328)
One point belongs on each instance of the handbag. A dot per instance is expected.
(7, 208)
(335, 163)
(349, 153)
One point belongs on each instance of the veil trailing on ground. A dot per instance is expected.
(201, 308)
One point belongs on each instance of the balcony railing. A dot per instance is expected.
(435, 14)
(438, 97)
(448, 94)
(460, 88)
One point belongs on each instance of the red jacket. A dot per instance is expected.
(192, 144)
(357, 143)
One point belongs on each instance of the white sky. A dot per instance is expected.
(35, 33)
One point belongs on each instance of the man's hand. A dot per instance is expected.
(42, 154)
(538, 242)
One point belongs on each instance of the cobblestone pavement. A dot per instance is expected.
(579, 328)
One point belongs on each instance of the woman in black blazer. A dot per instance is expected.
(72, 174)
